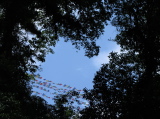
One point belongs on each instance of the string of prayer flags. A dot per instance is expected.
(53, 88)
(49, 84)
(44, 95)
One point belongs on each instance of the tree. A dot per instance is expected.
(137, 22)
(80, 22)
(138, 26)
(116, 93)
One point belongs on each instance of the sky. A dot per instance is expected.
(71, 67)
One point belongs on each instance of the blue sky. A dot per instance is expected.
(69, 66)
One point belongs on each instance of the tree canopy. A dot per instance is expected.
(126, 87)
(137, 22)
(112, 96)
(29, 28)
(114, 85)
(118, 93)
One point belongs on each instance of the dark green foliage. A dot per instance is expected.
(128, 86)
(138, 24)
(28, 29)
(118, 92)
(37, 108)
(113, 87)
(9, 107)
(34, 108)
(63, 108)
(80, 22)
